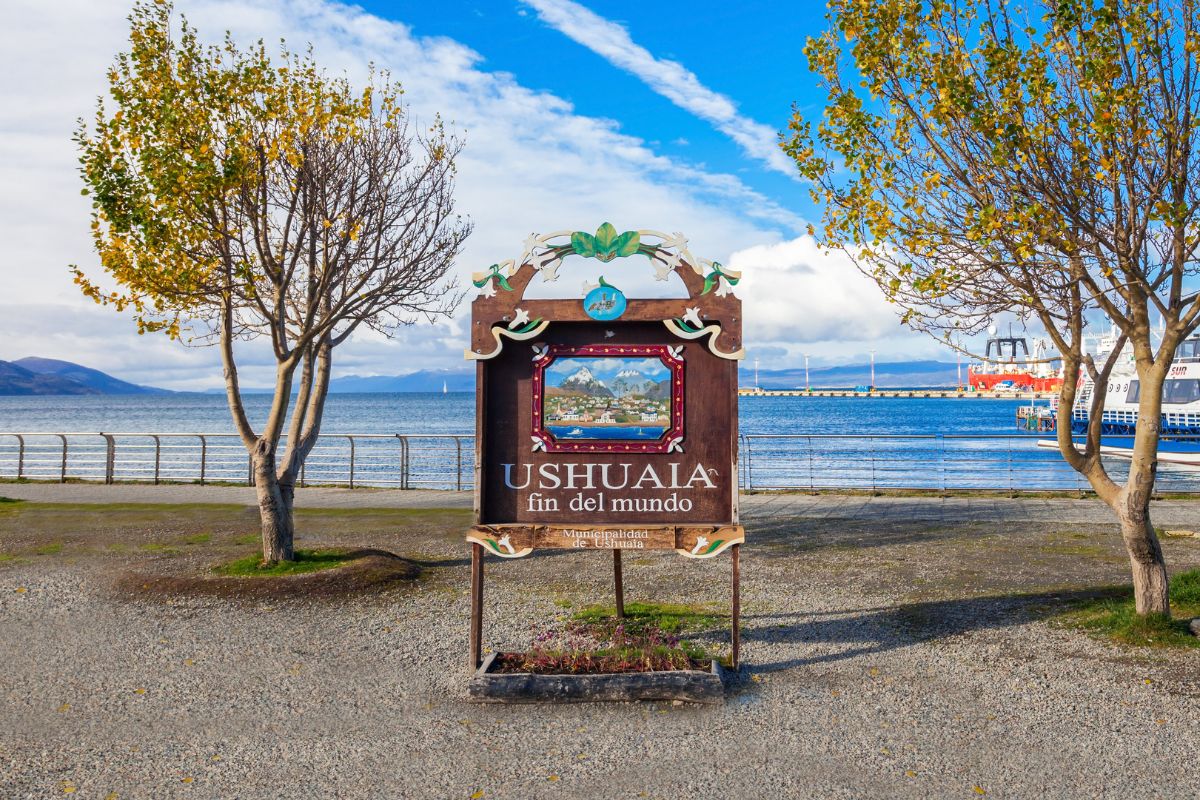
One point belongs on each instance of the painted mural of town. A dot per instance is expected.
(607, 398)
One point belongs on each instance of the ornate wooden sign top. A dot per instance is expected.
(605, 421)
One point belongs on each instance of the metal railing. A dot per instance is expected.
(814, 462)
(403, 461)
(942, 462)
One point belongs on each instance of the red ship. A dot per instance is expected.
(1003, 372)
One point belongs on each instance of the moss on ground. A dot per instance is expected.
(1112, 616)
(306, 561)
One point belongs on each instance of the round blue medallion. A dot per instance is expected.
(605, 302)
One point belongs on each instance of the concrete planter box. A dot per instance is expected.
(691, 686)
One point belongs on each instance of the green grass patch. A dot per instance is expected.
(198, 538)
(306, 561)
(670, 617)
(1112, 616)
(249, 538)
(50, 549)
(7, 557)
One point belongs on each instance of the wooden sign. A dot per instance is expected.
(605, 421)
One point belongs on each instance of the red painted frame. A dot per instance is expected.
(672, 435)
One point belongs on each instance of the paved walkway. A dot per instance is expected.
(1178, 513)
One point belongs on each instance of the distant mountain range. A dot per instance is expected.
(48, 376)
(895, 374)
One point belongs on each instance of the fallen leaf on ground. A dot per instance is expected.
(979, 790)
(68, 787)
(910, 773)
(552, 778)
(64, 707)
(21, 590)
(139, 690)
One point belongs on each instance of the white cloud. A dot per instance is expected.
(669, 78)
(531, 164)
(798, 293)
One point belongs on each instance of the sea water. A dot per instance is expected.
(454, 412)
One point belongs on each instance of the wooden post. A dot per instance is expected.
(620, 589)
(737, 604)
(476, 606)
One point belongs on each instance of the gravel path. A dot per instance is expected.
(906, 659)
(1000, 510)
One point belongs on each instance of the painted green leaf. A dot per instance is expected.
(606, 234)
(627, 243)
(714, 546)
(504, 283)
(583, 244)
(709, 283)
(493, 545)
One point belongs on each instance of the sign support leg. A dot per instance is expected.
(737, 604)
(476, 605)
(620, 588)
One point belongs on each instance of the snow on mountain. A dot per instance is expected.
(584, 381)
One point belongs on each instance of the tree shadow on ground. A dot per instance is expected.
(786, 537)
(867, 631)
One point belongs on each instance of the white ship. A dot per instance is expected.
(1179, 442)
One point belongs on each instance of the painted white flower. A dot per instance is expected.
(539, 350)
(521, 317)
(676, 352)
(663, 269)
(587, 287)
(692, 316)
(609, 334)
(676, 240)
(723, 287)
(504, 542)
(676, 445)
(538, 444)
(488, 289)
(701, 543)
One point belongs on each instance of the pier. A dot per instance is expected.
(888, 393)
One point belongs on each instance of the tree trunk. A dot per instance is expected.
(1145, 558)
(274, 506)
(1132, 503)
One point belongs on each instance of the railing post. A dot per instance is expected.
(351, 440)
(749, 466)
(20, 455)
(941, 444)
(110, 457)
(203, 457)
(811, 473)
(249, 470)
(157, 457)
(404, 483)
(871, 445)
(458, 463)
(63, 475)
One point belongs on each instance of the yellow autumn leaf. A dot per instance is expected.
(64, 707)
(139, 690)
(979, 790)
(477, 795)
(910, 773)
(552, 778)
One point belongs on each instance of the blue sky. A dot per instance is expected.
(655, 116)
(750, 52)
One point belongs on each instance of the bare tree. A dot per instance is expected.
(977, 161)
(246, 201)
